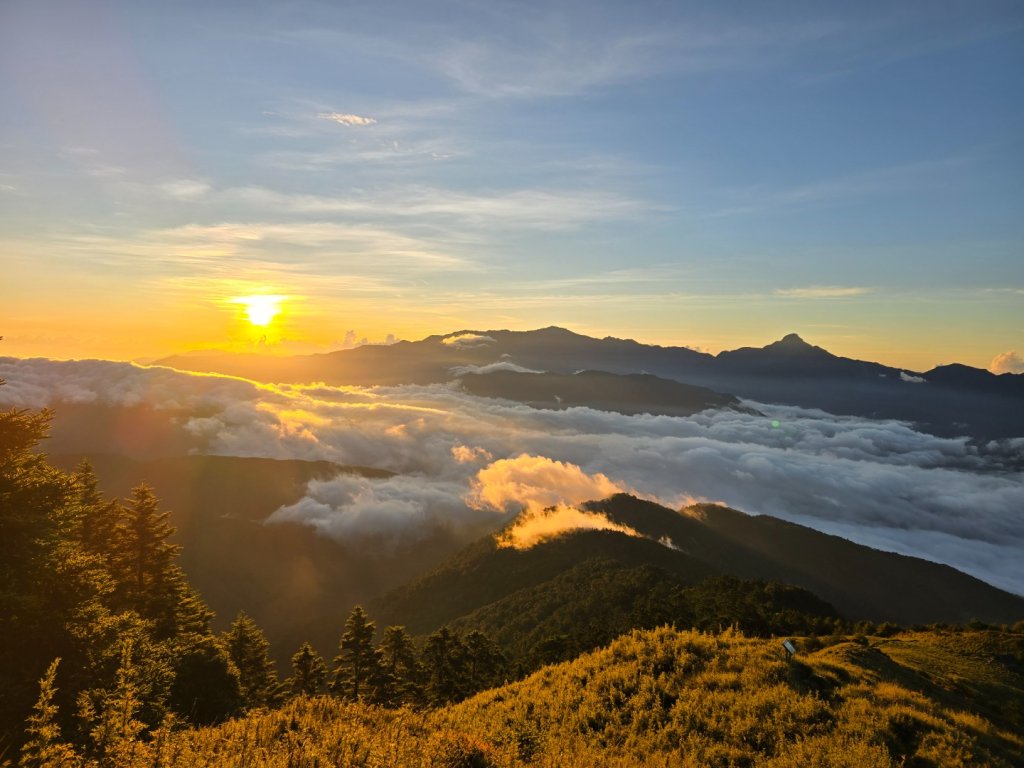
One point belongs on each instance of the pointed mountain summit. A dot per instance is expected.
(792, 342)
(791, 355)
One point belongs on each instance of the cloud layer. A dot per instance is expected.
(461, 458)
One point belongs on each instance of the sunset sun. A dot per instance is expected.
(261, 309)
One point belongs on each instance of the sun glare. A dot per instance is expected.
(261, 309)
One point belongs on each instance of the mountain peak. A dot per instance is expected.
(791, 340)
(792, 344)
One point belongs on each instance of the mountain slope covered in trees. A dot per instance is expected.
(698, 542)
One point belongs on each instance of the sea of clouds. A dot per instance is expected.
(462, 461)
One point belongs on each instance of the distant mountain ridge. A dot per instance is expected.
(630, 393)
(948, 400)
(708, 540)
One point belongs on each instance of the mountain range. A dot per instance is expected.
(948, 400)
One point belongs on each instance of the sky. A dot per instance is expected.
(707, 174)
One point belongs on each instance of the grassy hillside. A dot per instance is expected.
(669, 698)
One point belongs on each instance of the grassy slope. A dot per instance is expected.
(668, 698)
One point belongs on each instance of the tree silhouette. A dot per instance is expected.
(485, 663)
(444, 656)
(250, 651)
(357, 665)
(309, 672)
(402, 674)
(51, 591)
(150, 582)
(98, 519)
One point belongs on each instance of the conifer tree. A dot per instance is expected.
(249, 650)
(309, 672)
(148, 557)
(357, 665)
(150, 581)
(44, 747)
(444, 656)
(205, 688)
(98, 519)
(402, 671)
(115, 730)
(70, 588)
(50, 589)
(485, 663)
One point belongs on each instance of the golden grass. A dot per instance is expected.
(657, 698)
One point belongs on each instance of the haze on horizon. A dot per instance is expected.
(678, 175)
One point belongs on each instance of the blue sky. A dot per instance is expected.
(693, 173)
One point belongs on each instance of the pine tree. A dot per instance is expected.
(309, 672)
(147, 556)
(444, 656)
(205, 688)
(116, 729)
(249, 650)
(98, 519)
(402, 672)
(150, 582)
(43, 747)
(50, 589)
(357, 665)
(485, 663)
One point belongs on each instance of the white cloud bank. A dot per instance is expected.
(880, 483)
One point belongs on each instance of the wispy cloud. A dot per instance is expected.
(546, 52)
(538, 208)
(823, 292)
(259, 250)
(342, 118)
(871, 182)
(185, 189)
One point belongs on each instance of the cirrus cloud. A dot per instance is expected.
(345, 118)
(822, 292)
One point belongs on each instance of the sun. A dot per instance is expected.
(261, 309)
